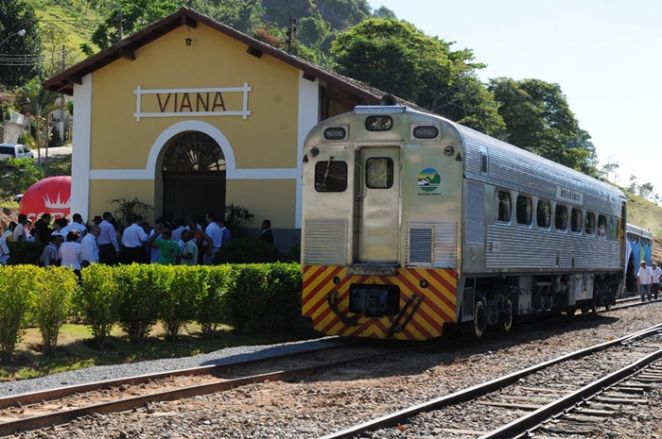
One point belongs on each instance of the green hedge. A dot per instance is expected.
(254, 298)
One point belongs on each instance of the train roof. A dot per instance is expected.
(638, 231)
(525, 170)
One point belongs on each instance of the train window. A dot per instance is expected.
(589, 224)
(379, 173)
(611, 229)
(524, 209)
(576, 220)
(330, 176)
(503, 209)
(602, 225)
(561, 217)
(544, 214)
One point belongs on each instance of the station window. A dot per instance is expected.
(524, 209)
(330, 176)
(576, 220)
(561, 217)
(602, 225)
(544, 214)
(504, 206)
(379, 173)
(589, 224)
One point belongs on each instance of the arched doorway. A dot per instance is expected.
(193, 171)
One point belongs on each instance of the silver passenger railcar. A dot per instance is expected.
(411, 221)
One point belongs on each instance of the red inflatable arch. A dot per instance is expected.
(52, 195)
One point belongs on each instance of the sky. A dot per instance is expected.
(605, 54)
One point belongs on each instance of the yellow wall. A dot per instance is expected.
(102, 192)
(266, 139)
(272, 199)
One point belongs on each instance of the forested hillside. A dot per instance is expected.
(346, 36)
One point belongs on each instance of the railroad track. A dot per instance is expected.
(31, 411)
(538, 397)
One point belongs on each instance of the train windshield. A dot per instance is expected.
(330, 176)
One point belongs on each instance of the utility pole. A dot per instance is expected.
(291, 34)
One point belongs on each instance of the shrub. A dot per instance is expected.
(213, 303)
(98, 300)
(53, 302)
(18, 288)
(246, 251)
(24, 253)
(179, 302)
(266, 297)
(141, 290)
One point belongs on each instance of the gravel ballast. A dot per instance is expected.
(227, 356)
(337, 399)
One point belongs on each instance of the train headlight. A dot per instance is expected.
(378, 123)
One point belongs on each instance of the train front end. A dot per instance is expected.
(382, 188)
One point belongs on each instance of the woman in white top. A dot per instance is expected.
(71, 252)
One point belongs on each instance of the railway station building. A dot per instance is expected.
(189, 115)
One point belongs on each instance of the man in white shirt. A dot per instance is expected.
(107, 239)
(133, 241)
(19, 230)
(77, 225)
(644, 279)
(215, 232)
(655, 284)
(89, 247)
(4, 248)
(70, 253)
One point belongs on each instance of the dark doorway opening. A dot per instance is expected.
(193, 175)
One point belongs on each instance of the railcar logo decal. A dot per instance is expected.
(429, 180)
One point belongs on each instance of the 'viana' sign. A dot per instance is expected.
(186, 102)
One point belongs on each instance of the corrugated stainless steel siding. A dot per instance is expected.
(515, 168)
(439, 251)
(512, 247)
(475, 212)
(325, 242)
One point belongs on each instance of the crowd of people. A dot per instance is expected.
(76, 245)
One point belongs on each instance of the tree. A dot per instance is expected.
(36, 102)
(384, 12)
(645, 190)
(18, 175)
(19, 55)
(538, 119)
(610, 168)
(396, 57)
(633, 183)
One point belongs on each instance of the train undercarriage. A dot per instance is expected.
(498, 301)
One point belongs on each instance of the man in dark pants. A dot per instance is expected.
(655, 286)
(108, 246)
(133, 240)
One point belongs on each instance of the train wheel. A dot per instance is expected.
(480, 317)
(570, 311)
(507, 315)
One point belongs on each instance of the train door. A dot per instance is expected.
(377, 210)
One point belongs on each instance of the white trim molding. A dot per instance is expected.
(80, 156)
(232, 173)
(308, 118)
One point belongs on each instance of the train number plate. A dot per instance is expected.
(374, 300)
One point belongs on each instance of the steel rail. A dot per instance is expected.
(522, 425)
(62, 417)
(481, 389)
(59, 392)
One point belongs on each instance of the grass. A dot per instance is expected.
(75, 350)
(58, 165)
